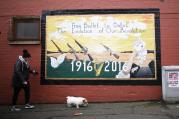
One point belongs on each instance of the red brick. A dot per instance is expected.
(56, 94)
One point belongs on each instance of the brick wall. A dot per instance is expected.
(56, 93)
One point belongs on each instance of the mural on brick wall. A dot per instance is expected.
(97, 46)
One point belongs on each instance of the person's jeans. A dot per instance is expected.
(17, 89)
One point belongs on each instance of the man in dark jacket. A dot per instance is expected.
(20, 80)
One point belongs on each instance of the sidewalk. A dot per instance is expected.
(131, 110)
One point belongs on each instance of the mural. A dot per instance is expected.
(100, 47)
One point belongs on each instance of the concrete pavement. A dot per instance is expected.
(130, 110)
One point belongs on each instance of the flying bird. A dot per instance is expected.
(55, 62)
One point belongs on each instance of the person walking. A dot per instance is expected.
(20, 80)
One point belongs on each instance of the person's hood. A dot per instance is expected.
(21, 59)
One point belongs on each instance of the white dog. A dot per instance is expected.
(76, 101)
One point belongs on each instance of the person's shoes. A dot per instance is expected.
(14, 108)
(28, 106)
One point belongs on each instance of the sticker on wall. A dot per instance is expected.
(173, 79)
(100, 46)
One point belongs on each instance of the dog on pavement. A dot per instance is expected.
(76, 101)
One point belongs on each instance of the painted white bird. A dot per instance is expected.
(55, 62)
